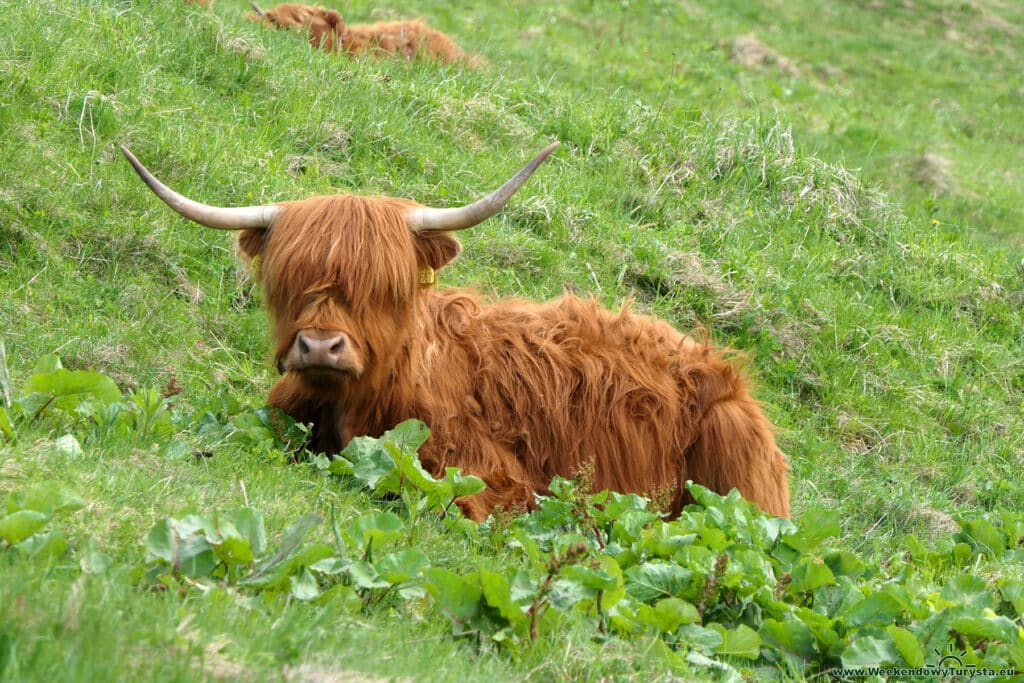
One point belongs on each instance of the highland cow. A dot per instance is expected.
(515, 392)
(410, 39)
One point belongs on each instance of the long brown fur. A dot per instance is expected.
(410, 39)
(515, 392)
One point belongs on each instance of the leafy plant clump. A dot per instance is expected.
(724, 590)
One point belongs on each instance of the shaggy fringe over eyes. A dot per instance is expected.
(358, 249)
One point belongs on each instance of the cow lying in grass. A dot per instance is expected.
(515, 392)
(410, 39)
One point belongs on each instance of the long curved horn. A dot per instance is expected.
(429, 220)
(221, 218)
(258, 10)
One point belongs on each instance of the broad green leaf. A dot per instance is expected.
(915, 547)
(408, 435)
(715, 539)
(413, 472)
(17, 526)
(741, 641)
(365, 575)
(249, 523)
(668, 614)
(457, 596)
(753, 567)
(983, 537)
(877, 608)
(378, 527)
(991, 627)
(871, 651)
(523, 588)
(628, 527)
(593, 580)
(402, 565)
(498, 593)
(304, 586)
(341, 467)
(48, 545)
(194, 556)
(160, 542)
(697, 637)
(331, 566)
(1013, 592)
(809, 537)
(344, 595)
(810, 573)
(229, 544)
(234, 550)
(822, 627)
(377, 470)
(463, 485)
(907, 645)
(46, 497)
(66, 389)
(91, 560)
(723, 672)
(653, 580)
(933, 633)
(968, 590)
(792, 638)
(47, 364)
(193, 524)
(963, 554)
(665, 540)
(565, 594)
(769, 529)
(696, 557)
(845, 563)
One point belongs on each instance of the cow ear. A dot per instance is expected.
(251, 245)
(436, 249)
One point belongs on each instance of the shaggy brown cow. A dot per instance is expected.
(327, 30)
(514, 392)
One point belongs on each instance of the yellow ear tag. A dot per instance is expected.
(428, 276)
(255, 263)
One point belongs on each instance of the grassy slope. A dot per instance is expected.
(887, 347)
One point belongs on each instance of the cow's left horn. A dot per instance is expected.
(221, 218)
(257, 9)
(429, 219)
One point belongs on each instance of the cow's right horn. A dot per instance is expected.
(221, 218)
(257, 9)
(429, 219)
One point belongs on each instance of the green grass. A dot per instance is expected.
(881, 316)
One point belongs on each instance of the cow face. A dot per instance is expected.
(342, 276)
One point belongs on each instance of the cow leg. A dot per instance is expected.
(328, 433)
(735, 448)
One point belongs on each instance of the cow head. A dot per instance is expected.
(324, 25)
(342, 274)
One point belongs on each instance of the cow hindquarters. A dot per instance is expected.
(735, 448)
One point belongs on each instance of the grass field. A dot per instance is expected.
(833, 188)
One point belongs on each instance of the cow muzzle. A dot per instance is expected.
(322, 355)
